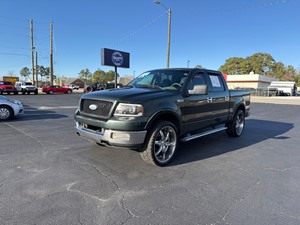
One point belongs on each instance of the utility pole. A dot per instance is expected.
(51, 53)
(169, 37)
(36, 68)
(32, 49)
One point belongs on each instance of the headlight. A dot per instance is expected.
(14, 101)
(129, 110)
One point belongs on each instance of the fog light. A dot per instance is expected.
(122, 136)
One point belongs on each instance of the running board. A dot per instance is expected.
(194, 136)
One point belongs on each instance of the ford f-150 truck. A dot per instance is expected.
(161, 107)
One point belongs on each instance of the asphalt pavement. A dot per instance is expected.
(49, 175)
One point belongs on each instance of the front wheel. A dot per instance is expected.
(236, 126)
(160, 144)
(6, 113)
(50, 92)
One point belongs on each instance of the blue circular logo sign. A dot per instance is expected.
(117, 58)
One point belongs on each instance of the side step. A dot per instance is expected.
(194, 136)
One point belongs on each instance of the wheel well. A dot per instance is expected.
(166, 117)
(241, 107)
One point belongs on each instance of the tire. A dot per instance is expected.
(1, 92)
(50, 92)
(36, 92)
(236, 126)
(6, 113)
(160, 144)
(69, 92)
(89, 89)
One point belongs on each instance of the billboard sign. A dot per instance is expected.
(116, 58)
(10, 79)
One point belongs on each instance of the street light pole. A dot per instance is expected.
(169, 31)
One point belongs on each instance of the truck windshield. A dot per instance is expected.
(164, 79)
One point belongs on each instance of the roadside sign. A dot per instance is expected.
(116, 58)
(10, 79)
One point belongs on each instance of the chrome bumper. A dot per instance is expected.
(112, 137)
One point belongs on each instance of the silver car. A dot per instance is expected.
(10, 108)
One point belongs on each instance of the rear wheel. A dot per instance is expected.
(50, 92)
(236, 126)
(5, 113)
(160, 144)
(69, 92)
(89, 89)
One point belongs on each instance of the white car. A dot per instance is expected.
(26, 87)
(10, 108)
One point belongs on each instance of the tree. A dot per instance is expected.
(86, 75)
(110, 75)
(44, 72)
(11, 73)
(290, 70)
(25, 72)
(235, 65)
(99, 76)
(278, 70)
(261, 63)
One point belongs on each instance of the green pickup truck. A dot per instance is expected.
(161, 107)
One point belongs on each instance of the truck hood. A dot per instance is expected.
(131, 95)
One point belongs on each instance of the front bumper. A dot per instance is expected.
(112, 137)
(18, 110)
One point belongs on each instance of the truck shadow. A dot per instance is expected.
(217, 144)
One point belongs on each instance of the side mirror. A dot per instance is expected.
(198, 90)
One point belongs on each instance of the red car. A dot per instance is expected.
(56, 89)
(7, 87)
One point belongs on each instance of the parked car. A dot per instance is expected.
(74, 87)
(26, 87)
(56, 89)
(93, 87)
(10, 108)
(7, 87)
(98, 87)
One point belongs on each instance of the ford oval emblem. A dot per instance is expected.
(117, 58)
(93, 107)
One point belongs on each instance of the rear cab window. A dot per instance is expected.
(215, 83)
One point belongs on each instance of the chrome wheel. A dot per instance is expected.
(236, 126)
(165, 144)
(161, 143)
(239, 124)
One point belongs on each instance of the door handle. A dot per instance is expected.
(226, 98)
(209, 100)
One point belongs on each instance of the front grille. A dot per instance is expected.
(103, 108)
(30, 88)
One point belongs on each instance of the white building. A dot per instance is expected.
(249, 81)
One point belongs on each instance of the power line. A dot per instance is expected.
(132, 34)
(18, 54)
(270, 3)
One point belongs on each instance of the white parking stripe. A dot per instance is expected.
(56, 107)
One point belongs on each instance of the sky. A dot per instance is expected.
(203, 32)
